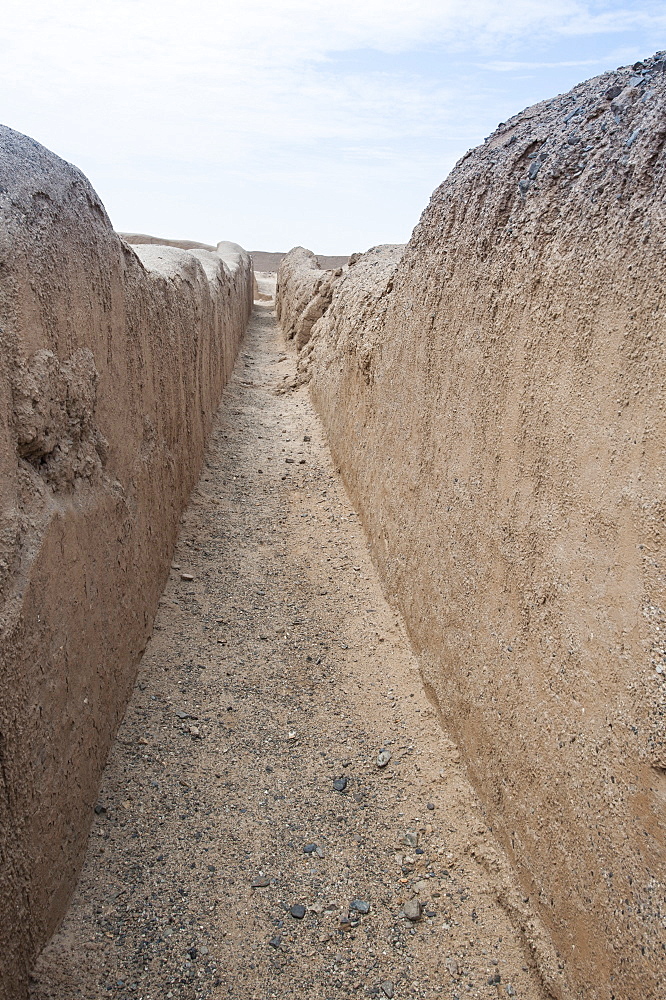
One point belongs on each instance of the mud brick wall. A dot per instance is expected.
(495, 399)
(112, 364)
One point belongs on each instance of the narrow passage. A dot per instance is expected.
(246, 843)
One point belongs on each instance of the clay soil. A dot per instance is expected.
(275, 669)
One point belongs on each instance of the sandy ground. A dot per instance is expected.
(244, 780)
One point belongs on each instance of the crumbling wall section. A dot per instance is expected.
(499, 417)
(111, 370)
(303, 294)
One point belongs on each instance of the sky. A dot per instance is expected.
(277, 123)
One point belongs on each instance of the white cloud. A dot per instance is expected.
(259, 89)
(509, 66)
(221, 38)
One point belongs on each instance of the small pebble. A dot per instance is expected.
(260, 883)
(186, 576)
(430, 806)
(360, 905)
(387, 989)
(297, 911)
(383, 757)
(412, 910)
(309, 849)
(275, 942)
(340, 784)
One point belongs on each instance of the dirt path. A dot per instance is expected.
(275, 675)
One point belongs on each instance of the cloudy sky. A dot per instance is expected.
(282, 122)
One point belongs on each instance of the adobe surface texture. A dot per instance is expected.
(494, 397)
(112, 366)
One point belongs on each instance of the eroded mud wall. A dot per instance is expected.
(112, 366)
(307, 294)
(495, 401)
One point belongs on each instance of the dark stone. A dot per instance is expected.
(360, 905)
(612, 93)
(340, 784)
(297, 911)
(309, 849)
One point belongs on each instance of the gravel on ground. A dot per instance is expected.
(283, 814)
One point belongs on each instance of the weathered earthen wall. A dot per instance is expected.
(112, 366)
(303, 294)
(498, 413)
